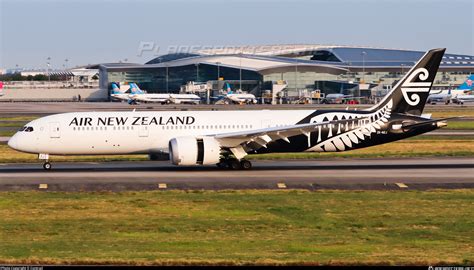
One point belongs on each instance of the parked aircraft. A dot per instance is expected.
(140, 95)
(225, 138)
(120, 95)
(461, 99)
(463, 92)
(340, 99)
(236, 98)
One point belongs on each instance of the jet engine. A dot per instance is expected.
(194, 151)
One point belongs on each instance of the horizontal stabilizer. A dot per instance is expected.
(430, 121)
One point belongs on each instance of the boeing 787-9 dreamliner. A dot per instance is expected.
(225, 138)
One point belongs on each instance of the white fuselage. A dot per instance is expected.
(125, 97)
(151, 97)
(445, 95)
(463, 98)
(138, 132)
(167, 98)
(241, 97)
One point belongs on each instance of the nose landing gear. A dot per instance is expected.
(47, 166)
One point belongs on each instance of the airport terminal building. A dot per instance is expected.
(256, 69)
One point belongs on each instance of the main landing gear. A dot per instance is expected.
(235, 164)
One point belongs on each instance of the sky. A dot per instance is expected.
(104, 31)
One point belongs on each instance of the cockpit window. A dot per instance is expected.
(26, 129)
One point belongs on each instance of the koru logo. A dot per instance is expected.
(410, 89)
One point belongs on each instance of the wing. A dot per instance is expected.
(240, 143)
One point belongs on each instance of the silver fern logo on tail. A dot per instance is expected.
(410, 88)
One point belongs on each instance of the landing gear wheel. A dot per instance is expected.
(234, 164)
(245, 164)
(222, 165)
(47, 166)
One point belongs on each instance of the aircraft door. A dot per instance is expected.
(266, 123)
(54, 130)
(143, 131)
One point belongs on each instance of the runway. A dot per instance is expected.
(302, 174)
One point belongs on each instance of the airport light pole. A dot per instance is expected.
(48, 65)
(240, 72)
(47, 70)
(65, 67)
(197, 72)
(167, 78)
(363, 65)
(296, 77)
(218, 70)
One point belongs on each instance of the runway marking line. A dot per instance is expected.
(401, 185)
(281, 185)
(43, 186)
(162, 186)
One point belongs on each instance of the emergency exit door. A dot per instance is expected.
(143, 131)
(54, 130)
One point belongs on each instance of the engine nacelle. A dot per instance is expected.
(194, 151)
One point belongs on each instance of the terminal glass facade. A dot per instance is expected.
(155, 80)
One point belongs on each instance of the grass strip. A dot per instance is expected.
(238, 227)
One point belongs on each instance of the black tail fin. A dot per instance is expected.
(410, 94)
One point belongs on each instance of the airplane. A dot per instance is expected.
(340, 99)
(120, 95)
(225, 138)
(461, 99)
(184, 98)
(463, 92)
(237, 98)
(140, 95)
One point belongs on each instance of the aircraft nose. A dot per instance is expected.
(13, 142)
